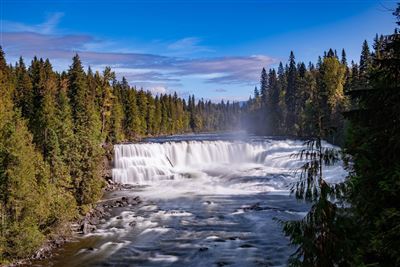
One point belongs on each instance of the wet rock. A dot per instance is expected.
(87, 228)
(202, 249)
(255, 207)
(120, 203)
(119, 217)
(75, 227)
(40, 254)
(99, 210)
(132, 224)
(94, 220)
(133, 200)
(246, 246)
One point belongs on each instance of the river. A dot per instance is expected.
(208, 200)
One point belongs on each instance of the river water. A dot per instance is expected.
(208, 200)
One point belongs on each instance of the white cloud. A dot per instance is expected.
(47, 27)
(188, 45)
(158, 90)
(154, 72)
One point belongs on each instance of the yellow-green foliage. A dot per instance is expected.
(334, 79)
(52, 127)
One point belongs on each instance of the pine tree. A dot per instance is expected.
(264, 87)
(373, 139)
(87, 129)
(274, 110)
(23, 91)
(344, 58)
(290, 96)
(141, 101)
(365, 64)
(256, 92)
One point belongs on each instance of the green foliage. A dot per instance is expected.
(373, 143)
(320, 237)
(52, 130)
(355, 223)
(289, 96)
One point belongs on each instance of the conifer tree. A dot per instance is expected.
(85, 169)
(372, 139)
(291, 94)
(23, 91)
(264, 87)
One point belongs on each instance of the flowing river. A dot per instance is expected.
(208, 200)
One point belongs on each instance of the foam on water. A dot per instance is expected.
(212, 167)
(205, 203)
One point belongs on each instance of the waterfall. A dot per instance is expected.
(145, 163)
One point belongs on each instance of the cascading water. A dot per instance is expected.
(207, 201)
(149, 163)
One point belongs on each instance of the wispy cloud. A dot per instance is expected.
(46, 27)
(220, 90)
(28, 42)
(152, 71)
(188, 45)
(235, 69)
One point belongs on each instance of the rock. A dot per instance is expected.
(94, 220)
(119, 218)
(255, 207)
(40, 254)
(132, 200)
(132, 224)
(75, 227)
(87, 228)
(120, 203)
(100, 209)
(203, 249)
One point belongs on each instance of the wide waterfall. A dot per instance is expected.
(146, 163)
(208, 200)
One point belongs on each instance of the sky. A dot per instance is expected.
(212, 49)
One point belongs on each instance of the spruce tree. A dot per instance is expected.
(264, 87)
(290, 96)
(85, 169)
(373, 139)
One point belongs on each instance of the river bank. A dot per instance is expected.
(102, 211)
(193, 201)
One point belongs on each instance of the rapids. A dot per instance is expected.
(209, 200)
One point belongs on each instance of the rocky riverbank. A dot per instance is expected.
(99, 214)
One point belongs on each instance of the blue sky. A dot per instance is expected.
(213, 49)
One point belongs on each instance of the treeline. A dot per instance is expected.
(293, 97)
(52, 130)
(357, 222)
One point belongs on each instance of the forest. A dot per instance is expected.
(53, 130)
(54, 127)
(356, 222)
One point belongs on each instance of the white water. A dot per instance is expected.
(158, 163)
(206, 202)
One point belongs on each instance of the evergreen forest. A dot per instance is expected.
(55, 128)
